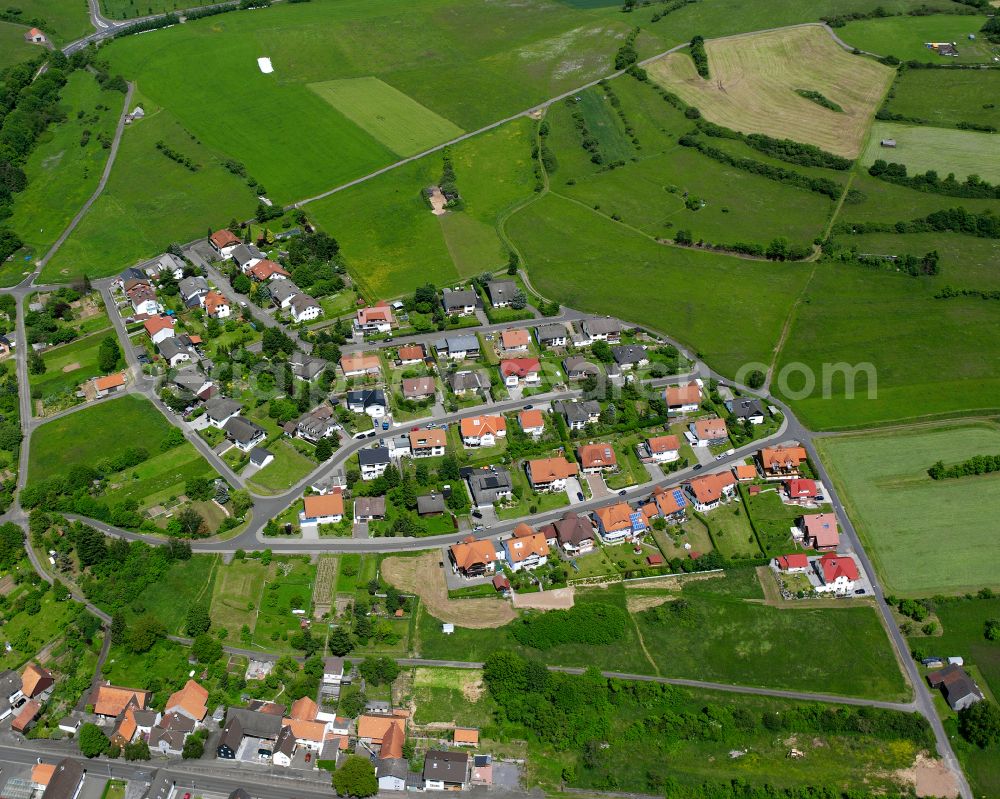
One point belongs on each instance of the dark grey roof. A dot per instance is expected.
(550, 332)
(629, 353)
(65, 780)
(368, 397)
(333, 664)
(171, 347)
(239, 793)
(501, 290)
(577, 364)
(373, 457)
(10, 684)
(446, 766)
(251, 722)
(463, 343)
(571, 529)
(301, 302)
(243, 430)
(496, 479)
(258, 455)
(578, 411)
(392, 767)
(281, 290)
(219, 408)
(305, 366)
(431, 503)
(245, 253)
(132, 274)
(745, 407)
(144, 718)
(190, 379)
(463, 381)
(460, 298)
(193, 286)
(368, 506)
(286, 741)
(601, 325)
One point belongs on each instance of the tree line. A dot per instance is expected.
(972, 187)
(977, 464)
(985, 225)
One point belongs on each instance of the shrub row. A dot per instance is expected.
(699, 56)
(984, 225)
(783, 149)
(971, 188)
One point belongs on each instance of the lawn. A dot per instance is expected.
(162, 200)
(288, 467)
(724, 638)
(946, 97)
(452, 697)
(238, 585)
(13, 48)
(162, 666)
(63, 170)
(391, 117)
(62, 20)
(41, 628)
(531, 502)
(878, 323)
(773, 520)
(672, 540)
(71, 440)
(944, 150)
(904, 37)
(570, 250)
(69, 365)
(290, 589)
(405, 245)
(186, 583)
(754, 78)
(732, 532)
(924, 536)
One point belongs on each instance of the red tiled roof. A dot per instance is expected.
(224, 238)
(545, 470)
(834, 566)
(822, 527)
(688, 394)
(157, 323)
(531, 419)
(475, 426)
(802, 488)
(661, 444)
(710, 428)
(522, 367)
(317, 505)
(784, 457)
(595, 455)
(797, 560)
(514, 339)
(710, 487)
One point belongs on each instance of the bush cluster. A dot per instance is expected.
(977, 464)
(699, 56)
(595, 624)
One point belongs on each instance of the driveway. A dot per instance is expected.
(573, 490)
(598, 488)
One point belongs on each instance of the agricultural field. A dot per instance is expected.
(877, 321)
(754, 78)
(944, 150)
(403, 245)
(13, 48)
(507, 61)
(881, 201)
(946, 97)
(63, 170)
(391, 117)
(905, 37)
(964, 260)
(925, 536)
(570, 249)
(180, 207)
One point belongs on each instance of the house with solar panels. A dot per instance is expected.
(619, 523)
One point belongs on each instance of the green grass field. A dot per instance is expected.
(575, 256)
(856, 316)
(445, 695)
(236, 586)
(42, 628)
(65, 20)
(186, 583)
(904, 37)
(13, 48)
(925, 536)
(391, 117)
(886, 202)
(288, 467)
(404, 245)
(70, 365)
(74, 439)
(921, 147)
(161, 200)
(63, 173)
(946, 97)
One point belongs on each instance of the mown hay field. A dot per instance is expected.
(754, 78)
(921, 148)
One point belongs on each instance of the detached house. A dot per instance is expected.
(746, 409)
(602, 328)
(573, 533)
(360, 364)
(220, 410)
(550, 474)
(597, 457)
(191, 701)
(306, 367)
(369, 400)
(142, 297)
(708, 432)
(428, 443)
(683, 399)
(217, 306)
(36, 682)
(838, 574)
(711, 490)
(461, 302)
(795, 563)
(779, 462)
(579, 414)
(819, 531)
(959, 689)
(619, 522)
(411, 354)
(551, 335)
(319, 423)
(304, 308)
(167, 264)
(472, 557)
(244, 434)
(670, 503)
(246, 257)
(515, 340)
(501, 292)
(266, 270)
(373, 462)
(418, 388)
(282, 292)
(193, 291)
(377, 319)
(482, 431)
(459, 348)
(532, 422)
(629, 356)
(577, 367)
(224, 242)
(446, 771)
(159, 328)
(801, 491)
(368, 509)
(468, 381)
(175, 351)
(112, 384)
(517, 370)
(526, 551)
(322, 509)
(660, 449)
(490, 485)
